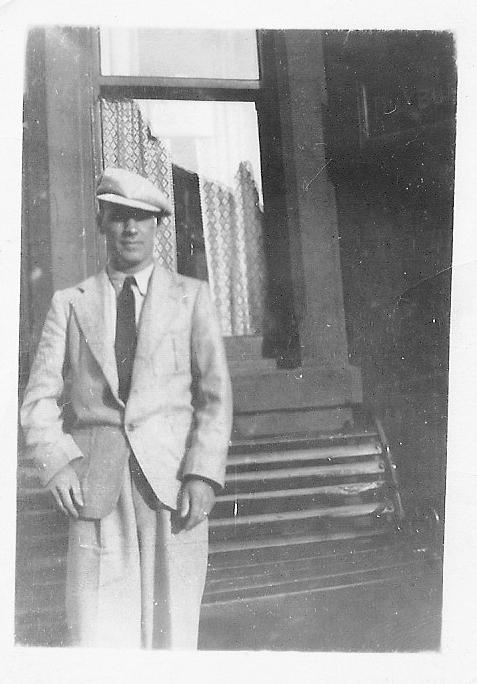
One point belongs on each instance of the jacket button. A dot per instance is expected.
(131, 427)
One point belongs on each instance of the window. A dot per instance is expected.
(198, 111)
(198, 139)
(179, 53)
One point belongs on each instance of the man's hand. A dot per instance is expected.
(66, 490)
(197, 500)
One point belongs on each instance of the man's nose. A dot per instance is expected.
(130, 225)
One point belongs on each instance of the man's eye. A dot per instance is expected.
(140, 215)
(120, 215)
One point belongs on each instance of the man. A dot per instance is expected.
(134, 356)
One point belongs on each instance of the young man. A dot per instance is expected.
(135, 355)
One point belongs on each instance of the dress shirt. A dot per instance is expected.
(116, 278)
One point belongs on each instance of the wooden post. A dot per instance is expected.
(70, 119)
(313, 229)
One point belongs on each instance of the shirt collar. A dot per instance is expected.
(142, 278)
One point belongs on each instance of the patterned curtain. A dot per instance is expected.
(128, 144)
(250, 219)
(235, 254)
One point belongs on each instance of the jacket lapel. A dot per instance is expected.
(94, 318)
(93, 315)
(159, 308)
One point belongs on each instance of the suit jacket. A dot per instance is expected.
(177, 420)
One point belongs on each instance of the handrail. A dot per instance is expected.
(391, 469)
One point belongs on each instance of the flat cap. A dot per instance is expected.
(132, 190)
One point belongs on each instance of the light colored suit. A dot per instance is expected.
(177, 422)
(178, 415)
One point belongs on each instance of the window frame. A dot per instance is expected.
(265, 93)
(179, 88)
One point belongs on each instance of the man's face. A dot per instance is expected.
(129, 236)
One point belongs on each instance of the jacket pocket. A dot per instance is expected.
(172, 355)
(84, 440)
(181, 352)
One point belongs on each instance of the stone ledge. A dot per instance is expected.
(274, 389)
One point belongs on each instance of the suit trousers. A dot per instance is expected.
(135, 578)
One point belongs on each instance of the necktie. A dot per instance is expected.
(126, 336)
